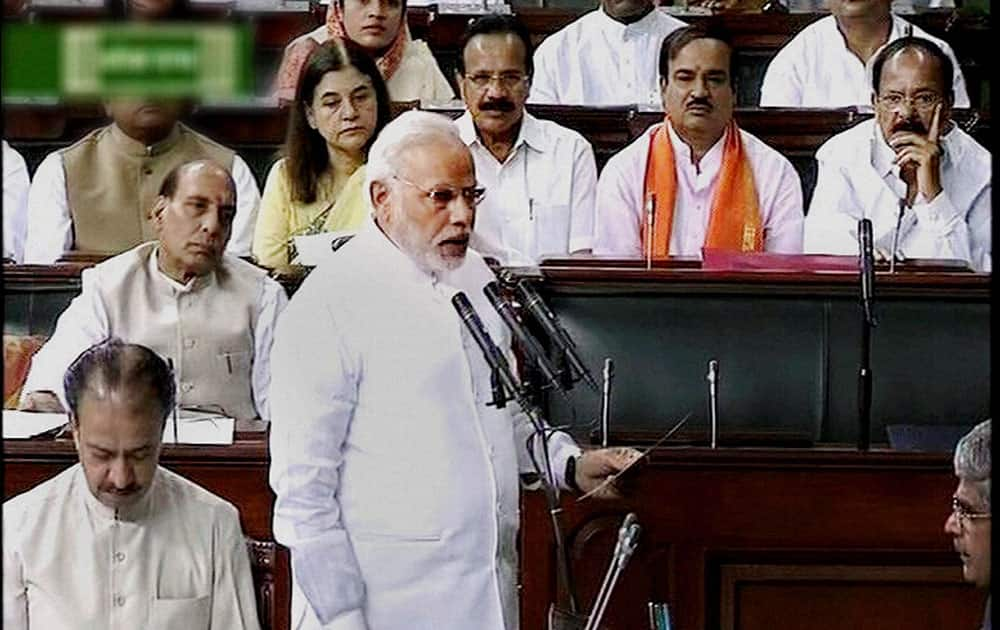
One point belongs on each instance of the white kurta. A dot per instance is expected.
(621, 206)
(816, 69)
(176, 560)
(397, 486)
(15, 203)
(599, 61)
(540, 201)
(50, 223)
(857, 179)
(86, 321)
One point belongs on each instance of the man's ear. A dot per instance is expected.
(461, 84)
(159, 207)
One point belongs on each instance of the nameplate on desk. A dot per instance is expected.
(199, 428)
(22, 425)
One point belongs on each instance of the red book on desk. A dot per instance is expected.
(725, 260)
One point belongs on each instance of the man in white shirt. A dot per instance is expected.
(824, 65)
(396, 481)
(539, 177)
(910, 165)
(709, 183)
(15, 203)
(97, 195)
(210, 312)
(116, 541)
(606, 57)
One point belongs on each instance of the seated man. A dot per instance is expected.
(824, 65)
(97, 195)
(539, 176)
(910, 165)
(15, 203)
(116, 541)
(211, 313)
(606, 57)
(971, 515)
(709, 183)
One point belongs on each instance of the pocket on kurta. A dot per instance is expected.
(190, 613)
(234, 363)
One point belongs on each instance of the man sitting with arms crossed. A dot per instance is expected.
(96, 196)
(970, 521)
(211, 312)
(709, 183)
(116, 541)
(540, 176)
(910, 159)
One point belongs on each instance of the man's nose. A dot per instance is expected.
(212, 222)
(700, 87)
(462, 211)
(121, 475)
(952, 526)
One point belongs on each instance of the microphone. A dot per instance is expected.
(527, 342)
(492, 354)
(628, 539)
(650, 227)
(895, 235)
(867, 247)
(554, 330)
(609, 374)
(713, 398)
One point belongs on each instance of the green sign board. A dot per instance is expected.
(99, 61)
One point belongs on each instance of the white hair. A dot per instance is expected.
(972, 459)
(409, 129)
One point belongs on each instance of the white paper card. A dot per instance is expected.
(315, 248)
(20, 425)
(199, 429)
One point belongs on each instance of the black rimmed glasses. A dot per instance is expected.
(923, 102)
(509, 81)
(441, 196)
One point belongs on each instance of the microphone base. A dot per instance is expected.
(560, 619)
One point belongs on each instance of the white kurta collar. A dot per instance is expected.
(530, 134)
(612, 28)
(133, 147)
(172, 286)
(710, 163)
(134, 513)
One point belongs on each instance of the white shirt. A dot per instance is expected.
(175, 559)
(856, 179)
(540, 200)
(599, 61)
(396, 484)
(85, 322)
(50, 223)
(621, 194)
(816, 69)
(15, 203)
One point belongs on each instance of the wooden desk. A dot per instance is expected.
(759, 539)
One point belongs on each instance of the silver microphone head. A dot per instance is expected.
(631, 541)
(713, 371)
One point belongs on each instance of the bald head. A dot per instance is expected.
(197, 167)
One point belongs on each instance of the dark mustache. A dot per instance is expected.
(703, 101)
(499, 105)
(914, 126)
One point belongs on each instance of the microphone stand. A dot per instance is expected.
(895, 236)
(609, 374)
(498, 364)
(713, 399)
(650, 226)
(868, 322)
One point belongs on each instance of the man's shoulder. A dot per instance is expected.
(845, 146)
(87, 142)
(666, 23)
(248, 278)
(634, 153)
(553, 132)
(117, 268)
(195, 499)
(569, 35)
(206, 143)
(762, 151)
(31, 505)
(970, 155)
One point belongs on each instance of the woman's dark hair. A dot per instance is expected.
(305, 149)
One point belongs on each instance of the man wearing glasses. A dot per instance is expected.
(541, 176)
(969, 523)
(396, 479)
(910, 169)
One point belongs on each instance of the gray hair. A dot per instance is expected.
(972, 459)
(409, 129)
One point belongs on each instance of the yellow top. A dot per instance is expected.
(280, 218)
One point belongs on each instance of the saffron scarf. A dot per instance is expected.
(734, 222)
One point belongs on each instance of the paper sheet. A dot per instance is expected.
(201, 428)
(20, 425)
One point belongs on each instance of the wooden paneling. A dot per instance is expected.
(764, 538)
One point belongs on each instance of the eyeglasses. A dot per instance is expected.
(962, 514)
(923, 102)
(506, 80)
(444, 195)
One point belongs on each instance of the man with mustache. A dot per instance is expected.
(396, 479)
(117, 541)
(699, 179)
(910, 167)
(180, 295)
(540, 176)
(97, 195)
(970, 521)
(824, 65)
(606, 57)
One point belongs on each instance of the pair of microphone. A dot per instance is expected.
(532, 348)
(628, 539)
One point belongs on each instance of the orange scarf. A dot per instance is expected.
(734, 223)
